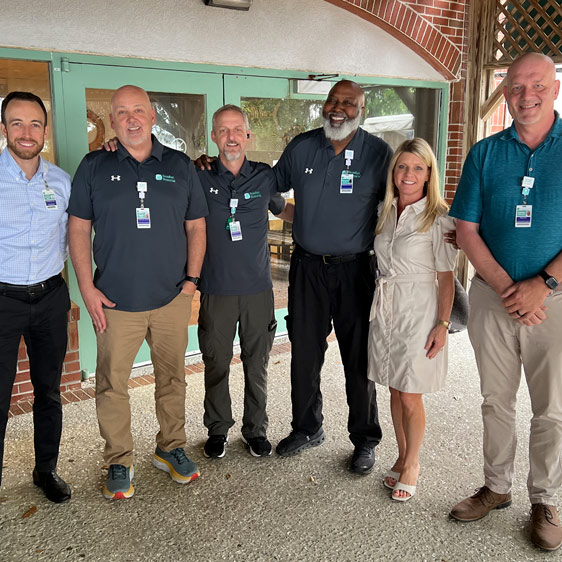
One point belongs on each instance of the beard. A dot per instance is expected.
(231, 156)
(346, 129)
(24, 153)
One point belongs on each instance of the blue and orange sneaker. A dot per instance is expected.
(177, 464)
(118, 485)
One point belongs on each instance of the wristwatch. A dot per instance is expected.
(445, 323)
(551, 282)
(194, 280)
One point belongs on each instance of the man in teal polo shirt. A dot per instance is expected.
(509, 209)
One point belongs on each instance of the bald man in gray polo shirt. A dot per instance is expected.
(338, 174)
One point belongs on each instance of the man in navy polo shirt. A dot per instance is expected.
(338, 174)
(509, 210)
(236, 287)
(147, 208)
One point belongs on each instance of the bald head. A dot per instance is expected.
(343, 111)
(530, 90)
(132, 118)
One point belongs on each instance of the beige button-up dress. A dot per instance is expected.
(405, 305)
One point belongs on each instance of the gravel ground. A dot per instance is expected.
(305, 508)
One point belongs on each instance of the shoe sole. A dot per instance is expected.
(164, 465)
(307, 445)
(362, 472)
(501, 506)
(120, 495)
(547, 548)
(252, 452)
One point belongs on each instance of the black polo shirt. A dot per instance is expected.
(328, 222)
(238, 267)
(138, 269)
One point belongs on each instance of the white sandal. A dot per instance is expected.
(393, 475)
(406, 488)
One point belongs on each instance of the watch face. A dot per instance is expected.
(551, 282)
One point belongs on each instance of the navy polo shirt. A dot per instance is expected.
(241, 267)
(490, 190)
(328, 222)
(138, 269)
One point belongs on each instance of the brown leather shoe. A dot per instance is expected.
(480, 504)
(546, 532)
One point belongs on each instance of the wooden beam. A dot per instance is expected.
(491, 104)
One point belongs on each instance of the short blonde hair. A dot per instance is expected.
(436, 205)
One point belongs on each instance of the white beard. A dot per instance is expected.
(340, 133)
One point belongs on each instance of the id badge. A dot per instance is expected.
(49, 198)
(235, 231)
(143, 217)
(523, 216)
(346, 182)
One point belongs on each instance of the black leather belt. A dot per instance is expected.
(333, 260)
(36, 288)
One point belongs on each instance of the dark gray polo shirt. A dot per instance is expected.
(241, 267)
(138, 269)
(326, 221)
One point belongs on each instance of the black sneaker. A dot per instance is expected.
(297, 441)
(258, 446)
(363, 459)
(215, 448)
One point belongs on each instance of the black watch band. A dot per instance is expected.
(551, 282)
(194, 280)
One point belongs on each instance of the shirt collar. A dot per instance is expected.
(355, 144)
(157, 150)
(221, 169)
(8, 161)
(417, 207)
(555, 130)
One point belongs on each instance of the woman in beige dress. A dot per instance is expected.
(412, 302)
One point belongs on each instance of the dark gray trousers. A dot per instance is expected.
(218, 317)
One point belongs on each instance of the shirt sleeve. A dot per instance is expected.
(283, 169)
(444, 253)
(467, 204)
(276, 200)
(80, 204)
(197, 207)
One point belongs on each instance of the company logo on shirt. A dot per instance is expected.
(308, 170)
(215, 191)
(252, 195)
(115, 178)
(164, 177)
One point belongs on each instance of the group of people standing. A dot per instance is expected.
(164, 227)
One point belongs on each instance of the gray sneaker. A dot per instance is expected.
(118, 485)
(177, 464)
(296, 442)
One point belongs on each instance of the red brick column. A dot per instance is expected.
(71, 375)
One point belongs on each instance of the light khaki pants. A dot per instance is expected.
(165, 330)
(501, 346)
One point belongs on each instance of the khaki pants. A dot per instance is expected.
(165, 330)
(501, 346)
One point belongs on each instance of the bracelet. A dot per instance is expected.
(445, 323)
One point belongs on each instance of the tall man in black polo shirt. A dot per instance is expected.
(236, 286)
(147, 208)
(338, 174)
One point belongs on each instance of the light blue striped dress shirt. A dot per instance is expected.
(33, 238)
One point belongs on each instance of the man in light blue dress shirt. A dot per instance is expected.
(34, 300)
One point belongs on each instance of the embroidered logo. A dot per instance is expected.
(115, 178)
(164, 177)
(252, 195)
(308, 170)
(215, 191)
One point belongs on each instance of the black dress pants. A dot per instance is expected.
(320, 294)
(41, 317)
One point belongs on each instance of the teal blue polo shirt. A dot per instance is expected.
(490, 189)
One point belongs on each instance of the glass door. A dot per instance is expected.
(184, 103)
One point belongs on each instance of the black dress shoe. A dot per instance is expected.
(363, 459)
(55, 488)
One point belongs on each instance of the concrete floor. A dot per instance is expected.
(306, 508)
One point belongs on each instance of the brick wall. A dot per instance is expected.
(71, 376)
(437, 30)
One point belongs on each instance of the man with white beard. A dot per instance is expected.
(338, 174)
